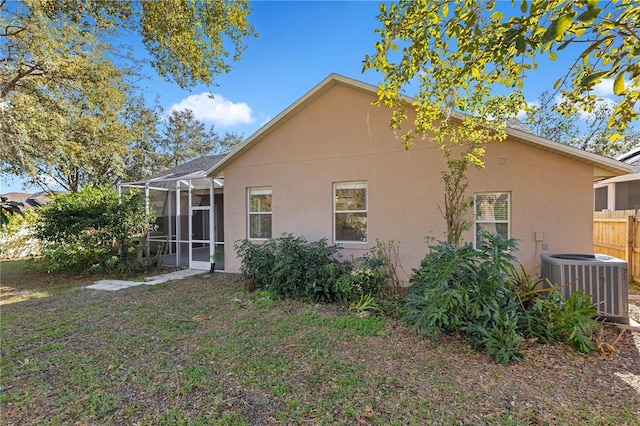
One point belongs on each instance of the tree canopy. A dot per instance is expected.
(464, 64)
(184, 138)
(588, 132)
(69, 107)
(470, 57)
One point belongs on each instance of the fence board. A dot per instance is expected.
(617, 234)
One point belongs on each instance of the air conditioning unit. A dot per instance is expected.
(603, 277)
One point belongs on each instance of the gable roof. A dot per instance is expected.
(602, 167)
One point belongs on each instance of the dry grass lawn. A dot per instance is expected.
(206, 351)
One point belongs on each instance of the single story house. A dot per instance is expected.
(329, 166)
(620, 192)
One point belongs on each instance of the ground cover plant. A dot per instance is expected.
(205, 350)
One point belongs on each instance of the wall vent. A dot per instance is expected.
(603, 277)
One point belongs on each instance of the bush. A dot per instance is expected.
(293, 267)
(480, 293)
(16, 237)
(93, 230)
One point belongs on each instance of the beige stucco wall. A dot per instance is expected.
(342, 137)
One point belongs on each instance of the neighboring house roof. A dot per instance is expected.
(30, 200)
(602, 167)
(632, 158)
(194, 169)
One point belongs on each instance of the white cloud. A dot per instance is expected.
(216, 109)
(604, 88)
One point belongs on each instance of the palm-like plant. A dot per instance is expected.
(8, 207)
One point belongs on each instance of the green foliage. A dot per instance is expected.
(184, 138)
(460, 52)
(366, 303)
(570, 320)
(8, 208)
(480, 293)
(93, 229)
(64, 85)
(588, 132)
(16, 237)
(293, 267)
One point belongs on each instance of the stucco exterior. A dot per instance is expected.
(337, 135)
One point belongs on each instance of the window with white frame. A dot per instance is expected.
(492, 214)
(350, 212)
(259, 202)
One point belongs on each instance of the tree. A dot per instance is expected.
(184, 138)
(475, 49)
(188, 41)
(67, 102)
(455, 56)
(588, 132)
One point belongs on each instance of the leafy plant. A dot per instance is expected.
(482, 294)
(8, 208)
(366, 303)
(571, 320)
(93, 229)
(293, 267)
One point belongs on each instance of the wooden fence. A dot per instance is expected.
(617, 234)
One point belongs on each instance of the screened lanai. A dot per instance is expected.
(189, 211)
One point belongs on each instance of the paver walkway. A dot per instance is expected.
(115, 285)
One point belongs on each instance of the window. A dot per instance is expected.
(259, 213)
(350, 212)
(492, 213)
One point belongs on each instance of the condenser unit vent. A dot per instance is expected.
(603, 277)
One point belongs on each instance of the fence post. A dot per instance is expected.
(629, 245)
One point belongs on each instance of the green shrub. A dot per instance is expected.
(293, 267)
(571, 320)
(93, 230)
(480, 293)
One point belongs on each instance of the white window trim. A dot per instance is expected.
(259, 190)
(476, 221)
(355, 185)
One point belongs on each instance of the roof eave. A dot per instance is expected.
(602, 167)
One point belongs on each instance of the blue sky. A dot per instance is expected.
(299, 44)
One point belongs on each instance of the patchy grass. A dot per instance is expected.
(205, 351)
(24, 279)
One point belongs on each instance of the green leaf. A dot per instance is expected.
(520, 43)
(552, 55)
(591, 79)
(618, 84)
(589, 15)
(558, 27)
(475, 73)
(523, 6)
